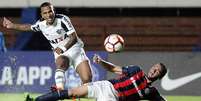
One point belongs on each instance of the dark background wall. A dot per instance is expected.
(144, 29)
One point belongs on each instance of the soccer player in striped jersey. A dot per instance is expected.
(66, 45)
(132, 85)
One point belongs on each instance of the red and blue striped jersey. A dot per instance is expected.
(131, 84)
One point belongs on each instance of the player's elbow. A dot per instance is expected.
(73, 36)
(117, 70)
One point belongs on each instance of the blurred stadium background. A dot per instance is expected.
(167, 31)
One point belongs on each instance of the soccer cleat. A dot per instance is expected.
(54, 88)
(28, 98)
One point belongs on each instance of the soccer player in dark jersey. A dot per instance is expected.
(132, 85)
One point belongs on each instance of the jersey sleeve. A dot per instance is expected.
(152, 94)
(67, 25)
(35, 27)
(131, 69)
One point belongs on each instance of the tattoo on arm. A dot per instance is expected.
(72, 41)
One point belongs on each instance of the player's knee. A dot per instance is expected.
(87, 78)
(62, 62)
(75, 92)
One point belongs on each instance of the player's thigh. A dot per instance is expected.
(84, 71)
(84, 68)
(80, 58)
(82, 63)
(76, 55)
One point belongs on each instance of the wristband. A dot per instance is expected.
(63, 48)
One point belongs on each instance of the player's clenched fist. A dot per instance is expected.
(97, 58)
(7, 23)
(58, 51)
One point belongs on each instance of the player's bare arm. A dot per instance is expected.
(107, 65)
(72, 41)
(10, 25)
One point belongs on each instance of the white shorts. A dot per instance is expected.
(102, 91)
(75, 54)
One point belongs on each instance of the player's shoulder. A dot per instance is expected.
(61, 16)
(40, 21)
(132, 69)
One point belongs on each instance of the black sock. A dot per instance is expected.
(53, 96)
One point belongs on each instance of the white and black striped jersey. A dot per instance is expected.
(58, 32)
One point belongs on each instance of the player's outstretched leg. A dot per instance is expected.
(53, 96)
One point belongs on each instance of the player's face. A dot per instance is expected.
(154, 72)
(48, 14)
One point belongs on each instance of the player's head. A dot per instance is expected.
(157, 71)
(47, 12)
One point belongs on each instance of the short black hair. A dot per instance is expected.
(163, 71)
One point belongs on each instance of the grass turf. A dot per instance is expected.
(20, 97)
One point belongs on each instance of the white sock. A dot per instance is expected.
(60, 78)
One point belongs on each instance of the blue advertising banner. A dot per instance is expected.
(34, 71)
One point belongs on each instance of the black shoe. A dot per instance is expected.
(28, 98)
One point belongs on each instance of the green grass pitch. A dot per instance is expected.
(20, 97)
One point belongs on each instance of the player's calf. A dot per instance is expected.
(52, 96)
(62, 63)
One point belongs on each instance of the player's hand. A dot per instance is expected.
(97, 59)
(58, 50)
(7, 23)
